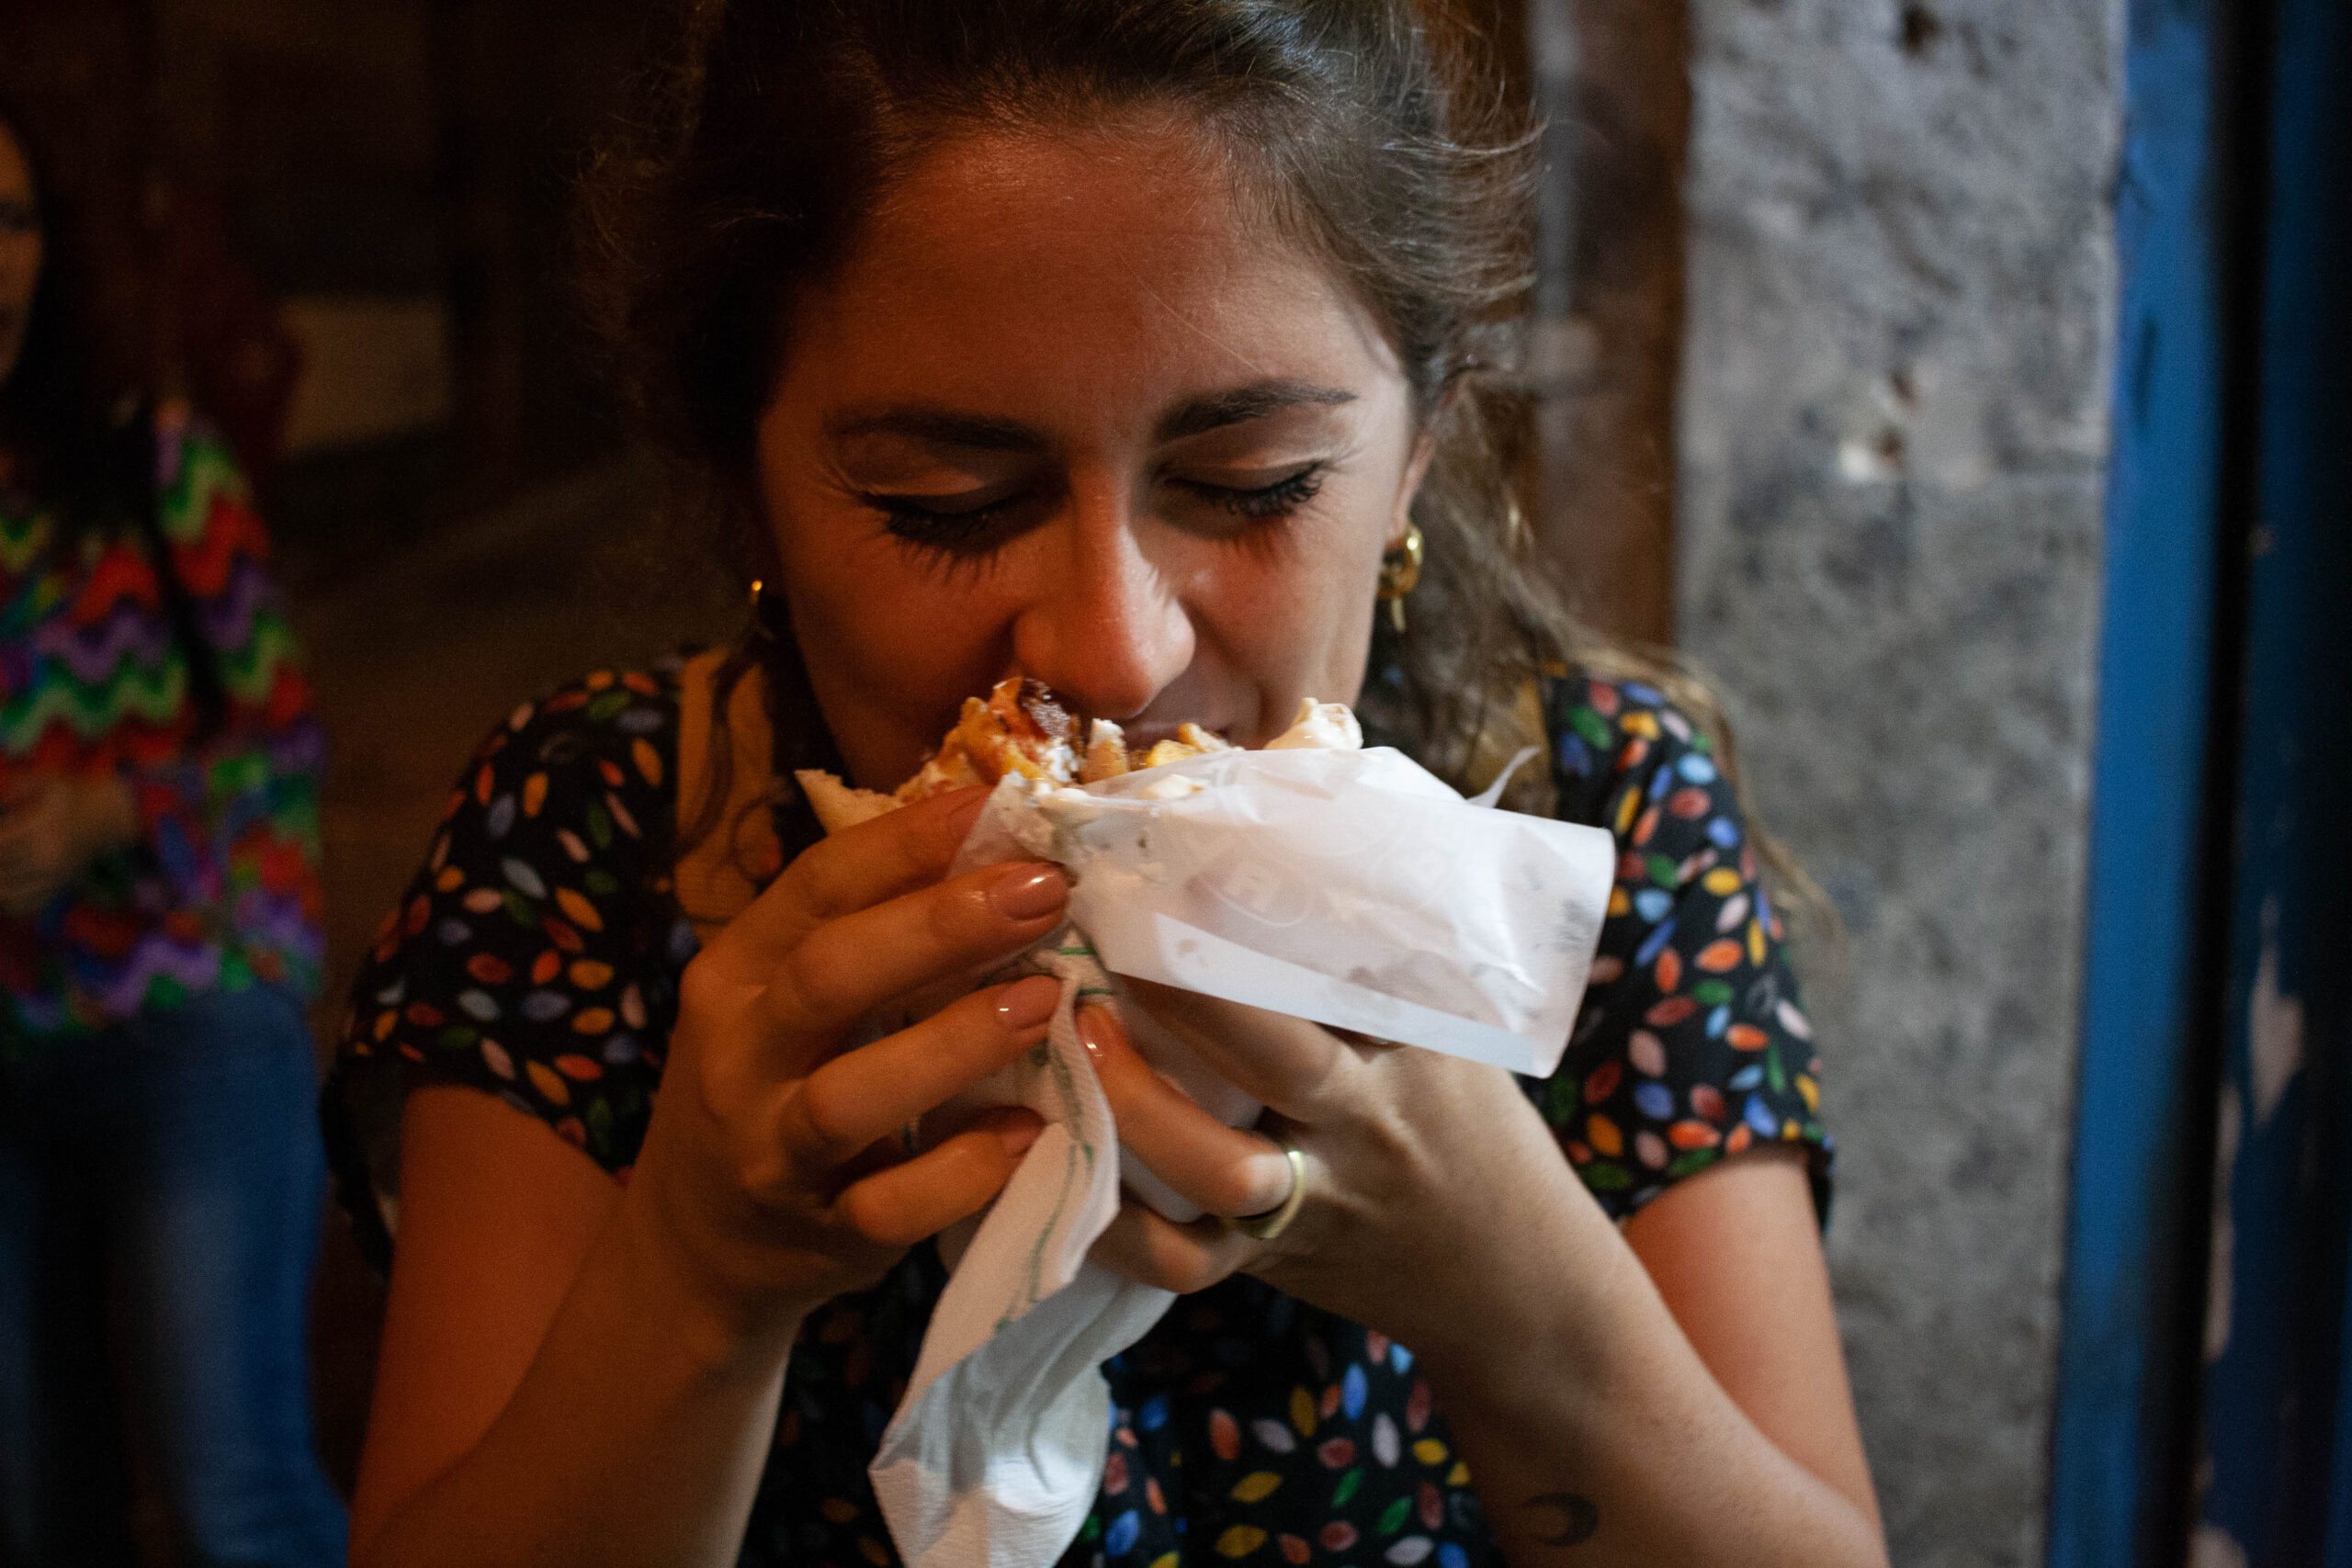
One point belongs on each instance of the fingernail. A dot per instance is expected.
(1029, 893)
(1028, 1003)
(1020, 1135)
(1099, 1029)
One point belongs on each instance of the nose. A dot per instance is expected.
(1106, 628)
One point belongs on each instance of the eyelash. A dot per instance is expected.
(1280, 499)
(962, 532)
(949, 533)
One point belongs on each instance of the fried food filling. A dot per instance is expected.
(1022, 730)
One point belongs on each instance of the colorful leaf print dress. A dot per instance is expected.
(221, 890)
(537, 957)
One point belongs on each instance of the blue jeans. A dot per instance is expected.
(168, 1169)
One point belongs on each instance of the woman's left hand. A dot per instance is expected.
(52, 827)
(1413, 1161)
(1439, 1211)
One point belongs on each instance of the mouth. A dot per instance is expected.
(1144, 730)
(1144, 734)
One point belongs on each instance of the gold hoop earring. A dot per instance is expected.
(1401, 569)
(767, 608)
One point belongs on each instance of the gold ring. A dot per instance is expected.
(1274, 1221)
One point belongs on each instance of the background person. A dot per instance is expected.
(1115, 345)
(159, 908)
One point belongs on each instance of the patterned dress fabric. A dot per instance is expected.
(537, 957)
(221, 891)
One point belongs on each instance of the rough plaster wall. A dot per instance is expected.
(1892, 434)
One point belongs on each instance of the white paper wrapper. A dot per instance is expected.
(1347, 887)
(1350, 888)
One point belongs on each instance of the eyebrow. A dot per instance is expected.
(947, 427)
(940, 426)
(1243, 404)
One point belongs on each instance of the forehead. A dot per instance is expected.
(1086, 254)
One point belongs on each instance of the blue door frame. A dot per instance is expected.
(2275, 1393)
(2127, 1259)
(2207, 1330)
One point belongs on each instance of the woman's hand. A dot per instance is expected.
(772, 1176)
(1439, 1211)
(1414, 1162)
(52, 827)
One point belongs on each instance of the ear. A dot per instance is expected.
(1417, 469)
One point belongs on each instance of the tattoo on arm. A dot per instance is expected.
(1577, 1517)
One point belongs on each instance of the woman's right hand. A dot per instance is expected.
(773, 1178)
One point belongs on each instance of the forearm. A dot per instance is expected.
(1595, 1435)
(638, 1436)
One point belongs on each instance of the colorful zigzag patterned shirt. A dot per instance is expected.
(222, 889)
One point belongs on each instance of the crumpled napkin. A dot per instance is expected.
(996, 1450)
(1350, 888)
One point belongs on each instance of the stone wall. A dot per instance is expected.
(1893, 429)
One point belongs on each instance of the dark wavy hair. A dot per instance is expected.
(1377, 134)
(54, 406)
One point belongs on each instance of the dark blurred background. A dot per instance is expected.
(342, 231)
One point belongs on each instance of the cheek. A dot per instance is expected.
(907, 642)
(1296, 618)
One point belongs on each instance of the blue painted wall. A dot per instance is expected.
(2120, 1402)
(2218, 956)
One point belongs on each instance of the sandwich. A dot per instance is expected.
(1021, 730)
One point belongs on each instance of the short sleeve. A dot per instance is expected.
(535, 955)
(1693, 1043)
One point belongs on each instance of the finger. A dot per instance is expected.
(855, 869)
(1223, 1169)
(1287, 1063)
(899, 1206)
(1143, 1247)
(845, 968)
(871, 1092)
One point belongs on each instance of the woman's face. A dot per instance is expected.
(1063, 413)
(20, 249)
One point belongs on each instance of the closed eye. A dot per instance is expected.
(975, 526)
(1280, 499)
(947, 523)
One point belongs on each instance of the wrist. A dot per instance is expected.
(1550, 1298)
(726, 1327)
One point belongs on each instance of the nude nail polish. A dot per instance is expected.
(1029, 893)
(1028, 1003)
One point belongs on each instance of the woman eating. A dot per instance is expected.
(1145, 349)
